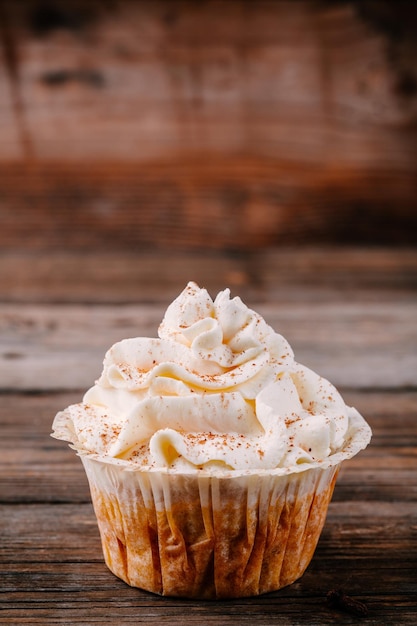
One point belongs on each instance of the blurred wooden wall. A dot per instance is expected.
(206, 124)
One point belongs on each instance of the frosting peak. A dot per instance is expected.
(217, 390)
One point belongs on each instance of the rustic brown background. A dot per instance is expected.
(269, 146)
(221, 125)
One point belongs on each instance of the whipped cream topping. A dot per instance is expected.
(217, 390)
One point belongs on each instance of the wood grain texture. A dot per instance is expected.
(236, 205)
(280, 274)
(49, 575)
(154, 80)
(216, 125)
(269, 147)
(89, 586)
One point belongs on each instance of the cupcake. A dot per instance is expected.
(210, 452)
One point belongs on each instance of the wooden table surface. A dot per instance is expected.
(350, 314)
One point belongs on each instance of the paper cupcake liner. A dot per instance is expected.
(208, 537)
(203, 535)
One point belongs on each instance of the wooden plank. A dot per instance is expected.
(155, 80)
(62, 347)
(81, 588)
(269, 275)
(68, 276)
(237, 204)
(274, 612)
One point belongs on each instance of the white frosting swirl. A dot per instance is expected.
(219, 389)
